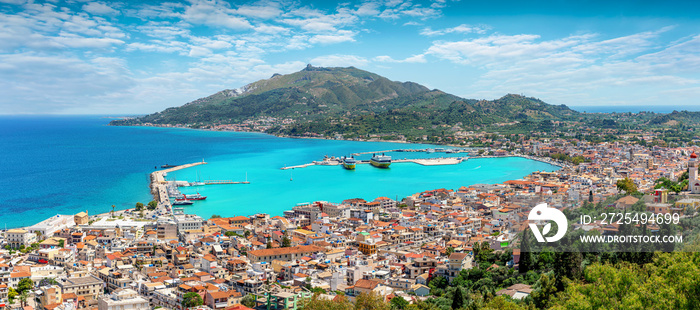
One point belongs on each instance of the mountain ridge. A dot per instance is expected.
(347, 97)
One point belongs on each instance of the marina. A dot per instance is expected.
(159, 185)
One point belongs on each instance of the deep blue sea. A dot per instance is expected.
(67, 164)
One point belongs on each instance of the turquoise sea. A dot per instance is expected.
(63, 165)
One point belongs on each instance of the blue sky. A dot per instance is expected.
(104, 57)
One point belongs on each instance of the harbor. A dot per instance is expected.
(159, 184)
(436, 161)
(427, 150)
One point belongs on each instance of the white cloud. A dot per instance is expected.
(210, 43)
(214, 13)
(271, 29)
(368, 9)
(420, 58)
(340, 36)
(63, 81)
(198, 51)
(267, 11)
(162, 30)
(159, 46)
(99, 8)
(16, 2)
(579, 69)
(500, 48)
(463, 28)
(338, 60)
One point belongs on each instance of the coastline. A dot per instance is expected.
(291, 137)
(123, 209)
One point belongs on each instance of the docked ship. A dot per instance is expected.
(196, 196)
(382, 161)
(349, 163)
(183, 202)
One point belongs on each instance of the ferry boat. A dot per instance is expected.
(382, 161)
(349, 163)
(182, 202)
(196, 196)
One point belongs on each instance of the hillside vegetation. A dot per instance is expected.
(349, 101)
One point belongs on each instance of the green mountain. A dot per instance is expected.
(677, 118)
(349, 101)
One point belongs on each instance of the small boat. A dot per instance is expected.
(182, 203)
(168, 166)
(450, 151)
(349, 163)
(382, 161)
(430, 151)
(198, 182)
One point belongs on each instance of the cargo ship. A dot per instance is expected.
(349, 163)
(382, 161)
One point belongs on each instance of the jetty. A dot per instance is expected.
(217, 182)
(158, 183)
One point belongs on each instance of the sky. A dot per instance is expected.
(138, 57)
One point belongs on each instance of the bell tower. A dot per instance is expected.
(693, 182)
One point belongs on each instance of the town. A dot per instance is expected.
(404, 251)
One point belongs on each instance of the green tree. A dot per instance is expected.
(371, 301)
(525, 263)
(192, 299)
(11, 294)
(23, 298)
(398, 303)
(317, 303)
(25, 285)
(61, 243)
(139, 206)
(437, 285)
(248, 301)
(215, 216)
(47, 281)
(113, 206)
(457, 298)
(449, 251)
(545, 290)
(626, 185)
(286, 242)
(152, 205)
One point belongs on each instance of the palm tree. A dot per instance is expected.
(23, 298)
(113, 210)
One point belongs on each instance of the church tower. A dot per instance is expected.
(693, 182)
